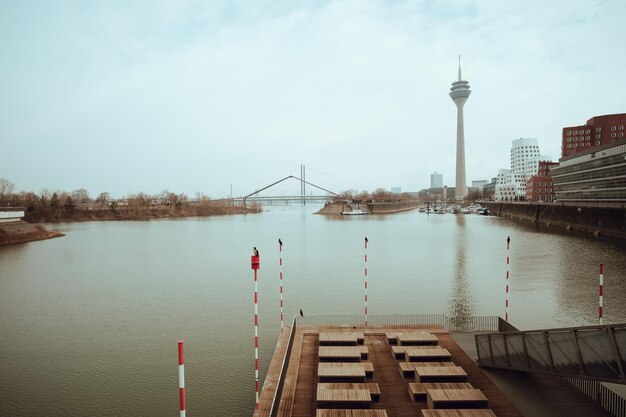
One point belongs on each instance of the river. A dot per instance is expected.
(89, 322)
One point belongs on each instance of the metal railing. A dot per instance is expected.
(593, 352)
(283, 372)
(600, 394)
(452, 323)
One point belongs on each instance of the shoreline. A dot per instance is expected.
(14, 233)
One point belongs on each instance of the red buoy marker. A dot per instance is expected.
(508, 252)
(601, 297)
(181, 377)
(255, 265)
(366, 280)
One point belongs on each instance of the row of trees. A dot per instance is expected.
(380, 194)
(79, 205)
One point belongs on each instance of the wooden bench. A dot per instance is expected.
(456, 398)
(373, 387)
(407, 369)
(412, 338)
(345, 372)
(440, 374)
(343, 353)
(350, 413)
(458, 413)
(417, 391)
(341, 339)
(435, 353)
(343, 397)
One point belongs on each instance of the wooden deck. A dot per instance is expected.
(300, 393)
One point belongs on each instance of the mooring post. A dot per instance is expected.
(366, 280)
(282, 322)
(181, 377)
(508, 253)
(255, 265)
(601, 297)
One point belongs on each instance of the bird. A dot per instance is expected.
(301, 313)
(280, 242)
(366, 239)
(255, 251)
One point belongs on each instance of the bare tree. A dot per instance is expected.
(80, 196)
(6, 189)
(103, 198)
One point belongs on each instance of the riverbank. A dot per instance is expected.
(369, 208)
(22, 232)
(593, 220)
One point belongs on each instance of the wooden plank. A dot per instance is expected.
(417, 339)
(343, 395)
(456, 398)
(372, 387)
(440, 374)
(407, 369)
(417, 391)
(436, 353)
(340, 338)
(355, 353)
(351, 413)
(458, 413)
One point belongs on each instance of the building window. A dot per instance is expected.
(598, 136)
(597, 143)
(598, 129)
(587, 137)
(613, 128)
(613, 135)
(621, 127)
(620, 134)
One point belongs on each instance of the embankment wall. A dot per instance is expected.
(599, 221)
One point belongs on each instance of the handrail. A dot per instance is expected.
(592, 352)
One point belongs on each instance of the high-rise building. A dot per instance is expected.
(459, 93)
(525, 158)
(436, 180)
(598, 131)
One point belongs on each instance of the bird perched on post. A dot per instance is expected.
(301, 313)
(366, 239)
(255, 251)
(280, 242)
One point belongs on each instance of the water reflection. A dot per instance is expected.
(461, 304)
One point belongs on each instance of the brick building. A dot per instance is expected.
(539, 188)
(598, 131)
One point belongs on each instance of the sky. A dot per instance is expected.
(209, 96)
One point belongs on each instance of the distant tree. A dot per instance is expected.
(80, 196)
(54, 201)
(45, 197)
(103, 198)
(6, 190)
(382, 194)
(69, 204)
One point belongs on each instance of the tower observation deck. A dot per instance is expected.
(459, 93)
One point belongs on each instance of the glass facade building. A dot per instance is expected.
(596, 175)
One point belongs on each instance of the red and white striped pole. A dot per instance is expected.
(255, 265)
(282, 321)
(181, 377)
(366, 280)
(601, 298)
(508, 253)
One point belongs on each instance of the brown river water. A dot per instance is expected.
(89, 322)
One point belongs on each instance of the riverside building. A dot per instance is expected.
(595, 175)
(525, 158)
(598, 131)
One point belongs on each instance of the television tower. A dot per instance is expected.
(459, 93)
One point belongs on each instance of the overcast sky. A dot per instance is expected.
(129, 96)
